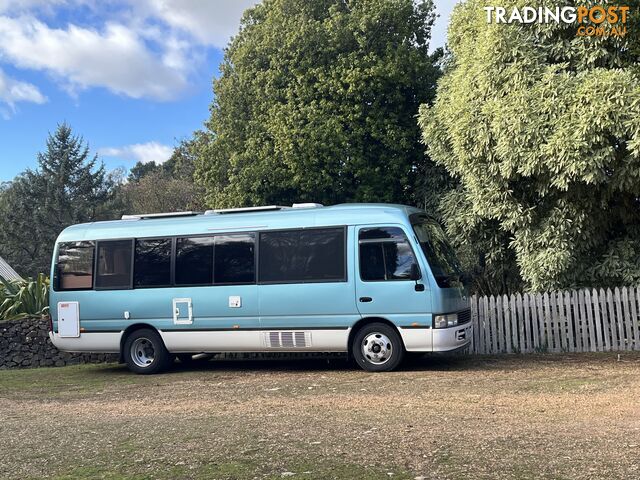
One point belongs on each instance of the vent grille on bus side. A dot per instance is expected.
(288, 339)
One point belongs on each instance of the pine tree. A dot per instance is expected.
(69, 187)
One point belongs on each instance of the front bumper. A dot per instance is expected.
(452, 338)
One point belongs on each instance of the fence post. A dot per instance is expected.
(569, 318)
(597, 320)
(517, 327)
(507, 324)
(634, 312)
(628, 327)
(615, 344)
(487, 325)
(528, 341)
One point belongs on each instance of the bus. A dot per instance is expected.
(375, 281)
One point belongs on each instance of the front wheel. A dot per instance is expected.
(377, 347)
(145, 353)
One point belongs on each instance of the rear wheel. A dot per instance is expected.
(377, 347)
(145, 353)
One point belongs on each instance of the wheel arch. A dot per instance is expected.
(366, 321)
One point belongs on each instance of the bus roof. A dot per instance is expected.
(198, 224)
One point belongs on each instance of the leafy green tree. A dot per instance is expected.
(68, 187)
(180, 164)
(160, 191)
(317, 102)
(541, 128)
(140, 170)
(166, 187)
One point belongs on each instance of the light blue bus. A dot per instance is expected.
(373, 280)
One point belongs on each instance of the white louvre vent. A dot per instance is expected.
(287, 339)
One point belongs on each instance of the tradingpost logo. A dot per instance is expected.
(596, 21)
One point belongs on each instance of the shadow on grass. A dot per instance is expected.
(339, 363)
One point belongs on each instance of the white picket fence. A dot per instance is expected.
(587, 320)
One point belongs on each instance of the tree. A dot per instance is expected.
(140, 170)
(160, 191)
(68, 187)
(166, 187)
(317, 102)
(542, 130)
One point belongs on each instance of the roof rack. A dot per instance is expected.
(307, 205)
(264, 208)
(158, 215)
(223, 211)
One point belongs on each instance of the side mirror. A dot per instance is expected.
(414, 274)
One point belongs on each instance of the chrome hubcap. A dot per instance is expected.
(377, 348)
(142, 352)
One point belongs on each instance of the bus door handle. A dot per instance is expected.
(366, 299)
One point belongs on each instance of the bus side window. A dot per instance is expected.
(298, 256)
(152, 264)
(75, 266)
(385, 254)
(114, 264)
(194, 261)
(234, 259)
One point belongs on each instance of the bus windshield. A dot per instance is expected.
(441, 257)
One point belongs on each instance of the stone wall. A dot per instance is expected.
(25, 343)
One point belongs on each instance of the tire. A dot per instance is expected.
(145, 353)
(377, 347)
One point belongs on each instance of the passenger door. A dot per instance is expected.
(383, 284)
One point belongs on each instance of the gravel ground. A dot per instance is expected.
(512, 417)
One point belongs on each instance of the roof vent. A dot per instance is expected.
(307, 205)
(158, 215)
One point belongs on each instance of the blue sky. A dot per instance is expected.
(133, 77)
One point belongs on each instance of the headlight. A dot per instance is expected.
(444, 321)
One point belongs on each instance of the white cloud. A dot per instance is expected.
(140, 152)
(211, 22)
(13, 91)
(115, 58)
(136, 48)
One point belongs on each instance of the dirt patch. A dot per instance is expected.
(574, 416)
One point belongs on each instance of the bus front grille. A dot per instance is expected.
(464, 316)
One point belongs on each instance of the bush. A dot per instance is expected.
(24, 298)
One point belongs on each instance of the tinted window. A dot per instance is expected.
(194, 261)
(114, 264)
(152, 263)
(302, 255)
(75, 265)
(385, 254)
(372, 261)
(234, 259)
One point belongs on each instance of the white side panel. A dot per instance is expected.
(69, 319)
(249, 341)
(417, 339)
(106, 342)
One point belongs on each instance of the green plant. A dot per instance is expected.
(541, 128)
(24, 298)
(316, 102)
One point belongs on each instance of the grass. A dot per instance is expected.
(511, 417)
